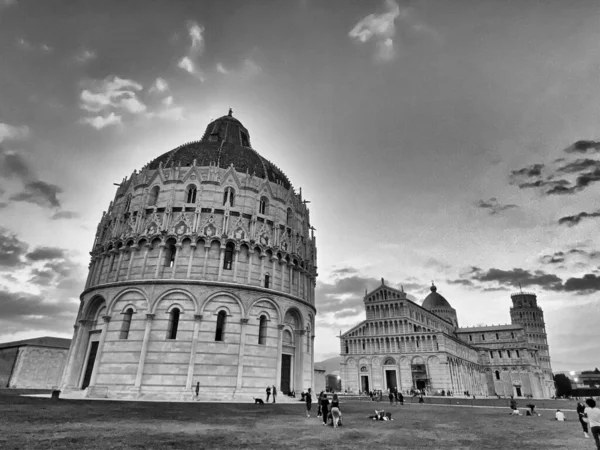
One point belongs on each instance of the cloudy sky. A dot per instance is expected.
(448, 141)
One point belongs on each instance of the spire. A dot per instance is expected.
(230, 114)
(432, 288)
(382, 282)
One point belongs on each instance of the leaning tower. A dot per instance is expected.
(527, 313)
(202, 273)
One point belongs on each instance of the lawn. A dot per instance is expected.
(36, 423)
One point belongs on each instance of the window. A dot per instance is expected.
(154, 193)
(267, 280)
(518, 356)
(497, 336)
(497, 374)
(347, 348)
(245, 142)
(173, 324)
(127, 202)
(227, 261)
(508, 353)
(229, 196)
(262, 331)
(483, 337)
(170, 253)
(470, 338)
(512, 335)
(220, 331)
(263, 205)
(213, 137)
(191, 194)
(491, 355)
(289, 217)
(499, 353)
(126, 324)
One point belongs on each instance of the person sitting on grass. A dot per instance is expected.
(513, 406)
(532, 411)
(560, 416)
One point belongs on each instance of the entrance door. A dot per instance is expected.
(421, 384)
(286, 368)
(390, 378)
(364, 383)
(518, 389)
(90, 365)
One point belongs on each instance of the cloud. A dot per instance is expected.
(588, 283)
(460, 282)
(345, 271)
(46, 253)
(65, 215)
(519, 277)
(579, 165)
(10, 132)
(196, 35)
(18, 304)
(187, 64)
(493, 206)
(160, 85)
(248, 69)
(99, 122)
(112, 96)
(85, 55)
(27, 46)
(12, 249)
(13, 165)
(535, 170)
(7, 3)
(583, 146)
(574, 220)
(222, 69)
(556, 258)
(196, 49)
(39, 193)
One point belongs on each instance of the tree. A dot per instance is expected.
(563, 385)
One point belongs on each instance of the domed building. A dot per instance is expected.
(203, 270)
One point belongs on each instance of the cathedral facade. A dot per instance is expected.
(408, 346)
(203, 273)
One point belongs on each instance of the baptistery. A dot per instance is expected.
(201, 282)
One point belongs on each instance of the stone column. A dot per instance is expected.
(290, 273)
(177, 252)
(140, 370)
(111, 260)
(96, 278)
(74, 343)
(73, 370)
(221, 261)
(192, 363)
(262, 270)
(299, 378)
(279, 352)
(250, 265)
(147, 246)
(206, 250)
(121, 253)
(132, 251)
(235, 263)
(99, 352)
(90, 272)
(281, 264)
(312, 362)
(191, 259)
(159, 261)
(242, 346)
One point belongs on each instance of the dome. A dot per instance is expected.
(435, 300)
(226, 141)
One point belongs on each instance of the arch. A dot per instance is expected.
(389, 362)
(190, 193)
(174, 291)
(129, 306)
(229, 196)
(223, 294)
(263, 206)
(271, 302)
(294, 318)
(223, 308)
(117, 297)
(221, 323)
(94, 305)
(417, 360)
(173, 306)
(154, 195)
(288, 338)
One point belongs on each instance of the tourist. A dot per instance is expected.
(592, 413)
(560, 416)
(336, 414)
(308, 399)
(513, 406)
(421, 400)
(400, 398)
(581, 416)
(274, 393)
(532, 411)
(319, 410)
(268, 393)
(197, 388)
(325, 408)
(391, 396)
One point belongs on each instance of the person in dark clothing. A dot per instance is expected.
(400, 398)
(197, 388)
(336, 414)
(581, 416)
(308, 399)
(274, 393)
(325, 408)
(391, 397)
(319, 410)
(268, 393)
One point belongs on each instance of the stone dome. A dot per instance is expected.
(226, 141)
(435, 300)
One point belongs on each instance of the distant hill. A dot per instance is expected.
(330, 365)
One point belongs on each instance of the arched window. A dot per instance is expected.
(491, 354)
(470, 337)
(483, 337)
(126, 324)
(267, 280)
(154, 193)
(229, 196)
(289, 217)
(499, 353)
(170, 253)
(220, 331)
(262, 331)
(263, 206)
(518, 356)
(228, 260)
(347, 348)
(173, 324)
(497, 336)
(245, 141)
(497, 374)
(191, 194)
(512, 335)
(127, 202)
(508, 353)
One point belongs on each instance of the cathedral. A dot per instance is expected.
(408, 346)
(202, 276)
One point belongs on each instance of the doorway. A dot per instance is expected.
(518, 389)
(390, 378)
(286, 369)
(421, 384)
(89, 368)
(364, 383)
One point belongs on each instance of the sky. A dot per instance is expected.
(454, 142)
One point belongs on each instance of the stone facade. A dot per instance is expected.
(33, 363)
(404, 345)
(203, 271)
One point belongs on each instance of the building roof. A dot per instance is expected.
(46, 341)
(489, 328)
(225, 142)
(435, 300)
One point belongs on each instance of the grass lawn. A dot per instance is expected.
(35, 423)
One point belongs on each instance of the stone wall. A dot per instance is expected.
(8, 358)
(38, 367)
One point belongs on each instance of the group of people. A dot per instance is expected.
(274, 391)
(328, 411)
(589, 417)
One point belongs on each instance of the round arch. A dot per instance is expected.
(268, 300)
(117, 297)
(175, 291)
(294, 311)
(208, 299)
(92, 307)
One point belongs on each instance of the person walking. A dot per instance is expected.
(581, 416)
(391, 396)
(336, 414)
(319, 409)
(197, 388)
(268, 393)
(593, 420)
(274, 393)
(325, 408)
(308, 399)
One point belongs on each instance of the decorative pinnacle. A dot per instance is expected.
(230, 112)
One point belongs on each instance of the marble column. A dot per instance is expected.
(192, 363)
(140, 369)
(111, 260)
(132, 252)
(236, 253)
(178, 248)
(73, 371)
(250, 265)
(99, 351)
(159, 260)
(191, 259)
(279, 352)
(147, 246)
(72, 349)
(206, 250)
(242, 347)
(122, 251)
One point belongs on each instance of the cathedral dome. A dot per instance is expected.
(435, 300)
(226, 141)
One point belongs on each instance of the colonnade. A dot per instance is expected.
(395, 344)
